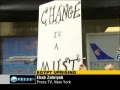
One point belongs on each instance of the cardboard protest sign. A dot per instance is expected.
(59, 36)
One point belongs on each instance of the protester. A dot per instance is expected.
(107, 67)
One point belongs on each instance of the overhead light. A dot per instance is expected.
(113, 29)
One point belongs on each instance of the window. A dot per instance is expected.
(18, 42)
(103, 37)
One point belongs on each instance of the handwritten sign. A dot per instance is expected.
(59, 36)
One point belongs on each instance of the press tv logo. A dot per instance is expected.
(22, 78)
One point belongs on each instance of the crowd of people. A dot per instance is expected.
(107, 67)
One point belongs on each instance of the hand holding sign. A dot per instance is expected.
(109, 67)
(83, 67)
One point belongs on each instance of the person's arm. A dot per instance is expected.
(107, 67)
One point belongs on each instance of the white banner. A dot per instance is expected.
(60, 36)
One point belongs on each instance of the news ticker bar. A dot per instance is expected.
(57, 79)
(51, 79)
(6, 79)
(80, 72)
